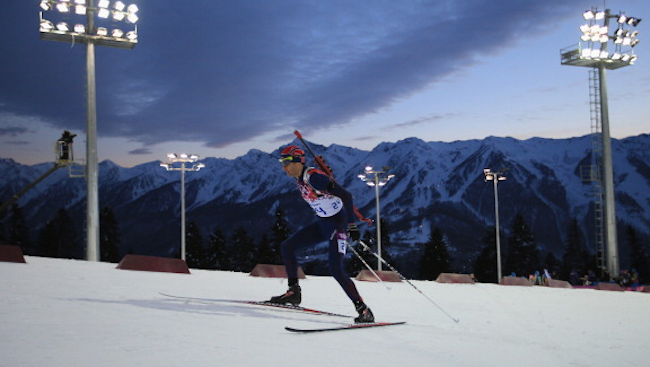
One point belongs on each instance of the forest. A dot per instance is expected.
(235, 250)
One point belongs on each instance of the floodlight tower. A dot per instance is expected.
(592, 52)
(495, 177)
(84, 31)
(182, 159)
(376, 179)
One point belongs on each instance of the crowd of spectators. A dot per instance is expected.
(628, 279)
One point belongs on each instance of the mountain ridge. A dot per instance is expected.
(436, 183)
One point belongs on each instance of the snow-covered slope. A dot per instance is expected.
(62, 313)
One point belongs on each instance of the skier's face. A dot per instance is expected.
(293, 169)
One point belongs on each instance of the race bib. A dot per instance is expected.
(342, 241)
(326, 205)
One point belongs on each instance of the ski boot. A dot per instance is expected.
(365, 315)
(291, 296)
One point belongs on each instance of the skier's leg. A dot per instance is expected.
(304, 237)
(309, 235)
(336, 257)
(338, 241)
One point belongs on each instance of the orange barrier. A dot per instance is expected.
(12, 254)
(515, 281)
(153, 263)
(606, 286)
(384, 275)
(555, 283)
(454, 278)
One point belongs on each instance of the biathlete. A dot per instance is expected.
(334, 207)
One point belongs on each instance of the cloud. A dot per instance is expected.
(224, 72)
(140, 151)
(17, 142)
(421, 121)
(12, 131)
(14, 125)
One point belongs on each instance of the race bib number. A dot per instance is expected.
(326, 205)
(342, 241)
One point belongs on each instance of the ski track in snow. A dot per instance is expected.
(70, 313)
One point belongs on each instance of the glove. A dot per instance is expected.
(353, 232)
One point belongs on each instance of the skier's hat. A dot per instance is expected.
(291, 154)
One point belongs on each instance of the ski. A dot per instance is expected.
(281, 306)
(344, 327)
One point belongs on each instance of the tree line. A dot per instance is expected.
(523, 257)
(238, 251)
(60, 237)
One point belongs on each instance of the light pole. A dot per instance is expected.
(376, 179)
(88, 33)
(593, 52)
(182, 159)
(495, 177)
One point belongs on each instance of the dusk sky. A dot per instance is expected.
(218, 78)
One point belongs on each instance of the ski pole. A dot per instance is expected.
(407, 281)
(368, 267)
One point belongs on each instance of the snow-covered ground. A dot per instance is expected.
(76, 313)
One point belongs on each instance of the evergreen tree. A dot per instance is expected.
(523, 254)
(639, 260)
(47, 245)
(435, 259)
(59, 239)
(279, 232)
(552, 264)
(70, 246)
(574, 257)
(265, 253)
(18, 230)
(3, 232)
(215, 254)
(195, 253)
(485, 265)
(109, 239)
(242, 248)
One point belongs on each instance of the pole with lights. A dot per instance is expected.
(55, 18)
(169, 166)
(594, 52)
(495, 177)
(376, 179)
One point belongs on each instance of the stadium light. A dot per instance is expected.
(376, 179)
(495, 177)
(594, 52)
(169, 166)
(79, 26)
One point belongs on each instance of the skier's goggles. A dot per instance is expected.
(290, 159)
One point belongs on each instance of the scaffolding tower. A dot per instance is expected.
(596, 167)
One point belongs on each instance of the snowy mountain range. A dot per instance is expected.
(436, 184)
